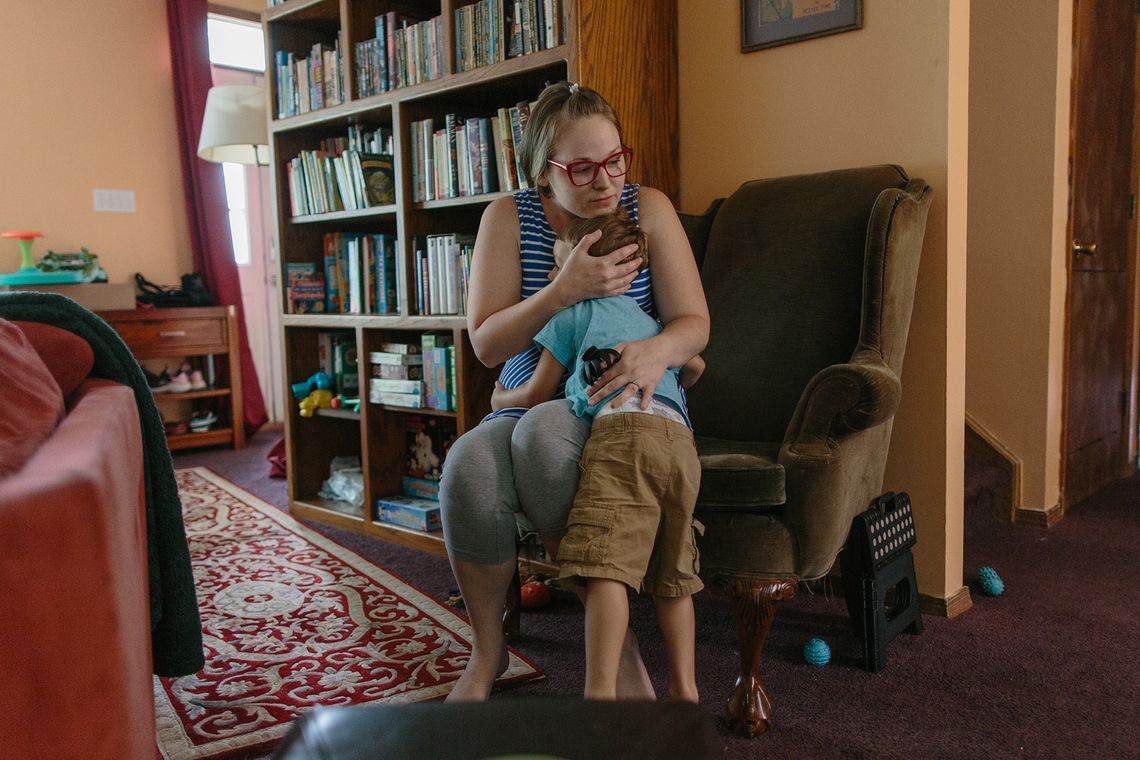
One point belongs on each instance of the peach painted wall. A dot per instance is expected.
(1020, 58)
(89, 104)
(895, 91)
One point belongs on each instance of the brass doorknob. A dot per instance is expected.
(1084, 250)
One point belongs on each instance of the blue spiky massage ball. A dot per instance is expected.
(991, 581)
(816, 652)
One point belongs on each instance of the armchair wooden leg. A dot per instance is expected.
(749, 711)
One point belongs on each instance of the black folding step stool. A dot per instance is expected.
(876, 560)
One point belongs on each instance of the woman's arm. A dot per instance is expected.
(500, 323)
(542, 386)
(680, 305)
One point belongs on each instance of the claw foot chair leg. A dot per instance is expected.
(748, 710)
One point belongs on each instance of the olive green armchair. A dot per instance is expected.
(810, 283)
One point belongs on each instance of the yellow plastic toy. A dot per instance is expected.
(319, 398)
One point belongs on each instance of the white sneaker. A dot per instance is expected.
(202, 421)
(180, 383)
(197, 382)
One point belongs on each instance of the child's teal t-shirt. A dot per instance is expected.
(603, 323)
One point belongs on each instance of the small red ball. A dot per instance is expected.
(535, 594)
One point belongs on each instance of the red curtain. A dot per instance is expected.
(206, 210)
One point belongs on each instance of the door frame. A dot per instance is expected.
(1130, 443)
(1132, 440)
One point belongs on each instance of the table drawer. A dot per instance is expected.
(158, 334)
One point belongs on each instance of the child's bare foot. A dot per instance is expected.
(478, 678)
(632, 677)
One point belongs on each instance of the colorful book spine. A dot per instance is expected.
(423, 488)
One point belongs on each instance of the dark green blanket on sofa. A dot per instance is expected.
(176, 629)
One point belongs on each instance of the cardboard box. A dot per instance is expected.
(96, 296)
(409, 512)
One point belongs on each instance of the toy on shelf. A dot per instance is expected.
(318, 381)
(28, 273)
(321, 398)
(340, 401)
(84, 262)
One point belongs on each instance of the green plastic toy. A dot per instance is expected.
(28, 274)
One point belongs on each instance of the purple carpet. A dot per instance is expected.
(1047, 670)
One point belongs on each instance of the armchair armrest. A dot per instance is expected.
(842, 399)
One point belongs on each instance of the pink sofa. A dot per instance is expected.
(75, 627)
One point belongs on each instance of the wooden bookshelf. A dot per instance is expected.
(626, 50)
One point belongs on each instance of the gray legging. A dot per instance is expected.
(504, 466)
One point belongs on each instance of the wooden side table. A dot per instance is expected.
(210, 332)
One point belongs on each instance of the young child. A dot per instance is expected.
(632, 520)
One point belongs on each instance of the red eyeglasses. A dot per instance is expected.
(585, 171)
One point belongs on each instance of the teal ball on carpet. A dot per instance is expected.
(816, 652)
(991, 582)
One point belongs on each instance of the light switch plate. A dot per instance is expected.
(115, 201)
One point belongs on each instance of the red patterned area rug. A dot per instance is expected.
(292, 620)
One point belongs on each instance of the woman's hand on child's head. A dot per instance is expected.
(641, 368)
(583, 276)
(561, 252)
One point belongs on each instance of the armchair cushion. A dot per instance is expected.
(739, 475)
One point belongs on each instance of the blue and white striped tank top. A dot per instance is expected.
(536, 248)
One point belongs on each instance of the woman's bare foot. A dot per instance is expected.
(478, 678)
(632, 678)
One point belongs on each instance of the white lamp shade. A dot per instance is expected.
(234, 126)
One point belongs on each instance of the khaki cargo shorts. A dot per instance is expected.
(632, 519)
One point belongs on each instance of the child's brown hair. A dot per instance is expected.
(618, 230)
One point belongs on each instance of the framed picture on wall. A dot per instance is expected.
(767, 23)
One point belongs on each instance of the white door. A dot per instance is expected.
(257, 273)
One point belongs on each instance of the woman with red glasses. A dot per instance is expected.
(520, 466)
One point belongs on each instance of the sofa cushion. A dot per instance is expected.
(739, 475)
(68, 357)
(31, 395)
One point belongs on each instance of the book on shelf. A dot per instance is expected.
(396, 377)
(304, 288)
(437, 371)
(360, 273)
(405, 51)
(392, 385)
(385, 357)
(399, 348)
(442, 271)
(390, 398)
(324, 182)
(309, 84)
(423, 488)
(516, 117)
(377, 178)
(337, 356)
(467, 155)
(398, 371)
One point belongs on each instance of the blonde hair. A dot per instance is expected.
(558, 104)
(618, 230)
